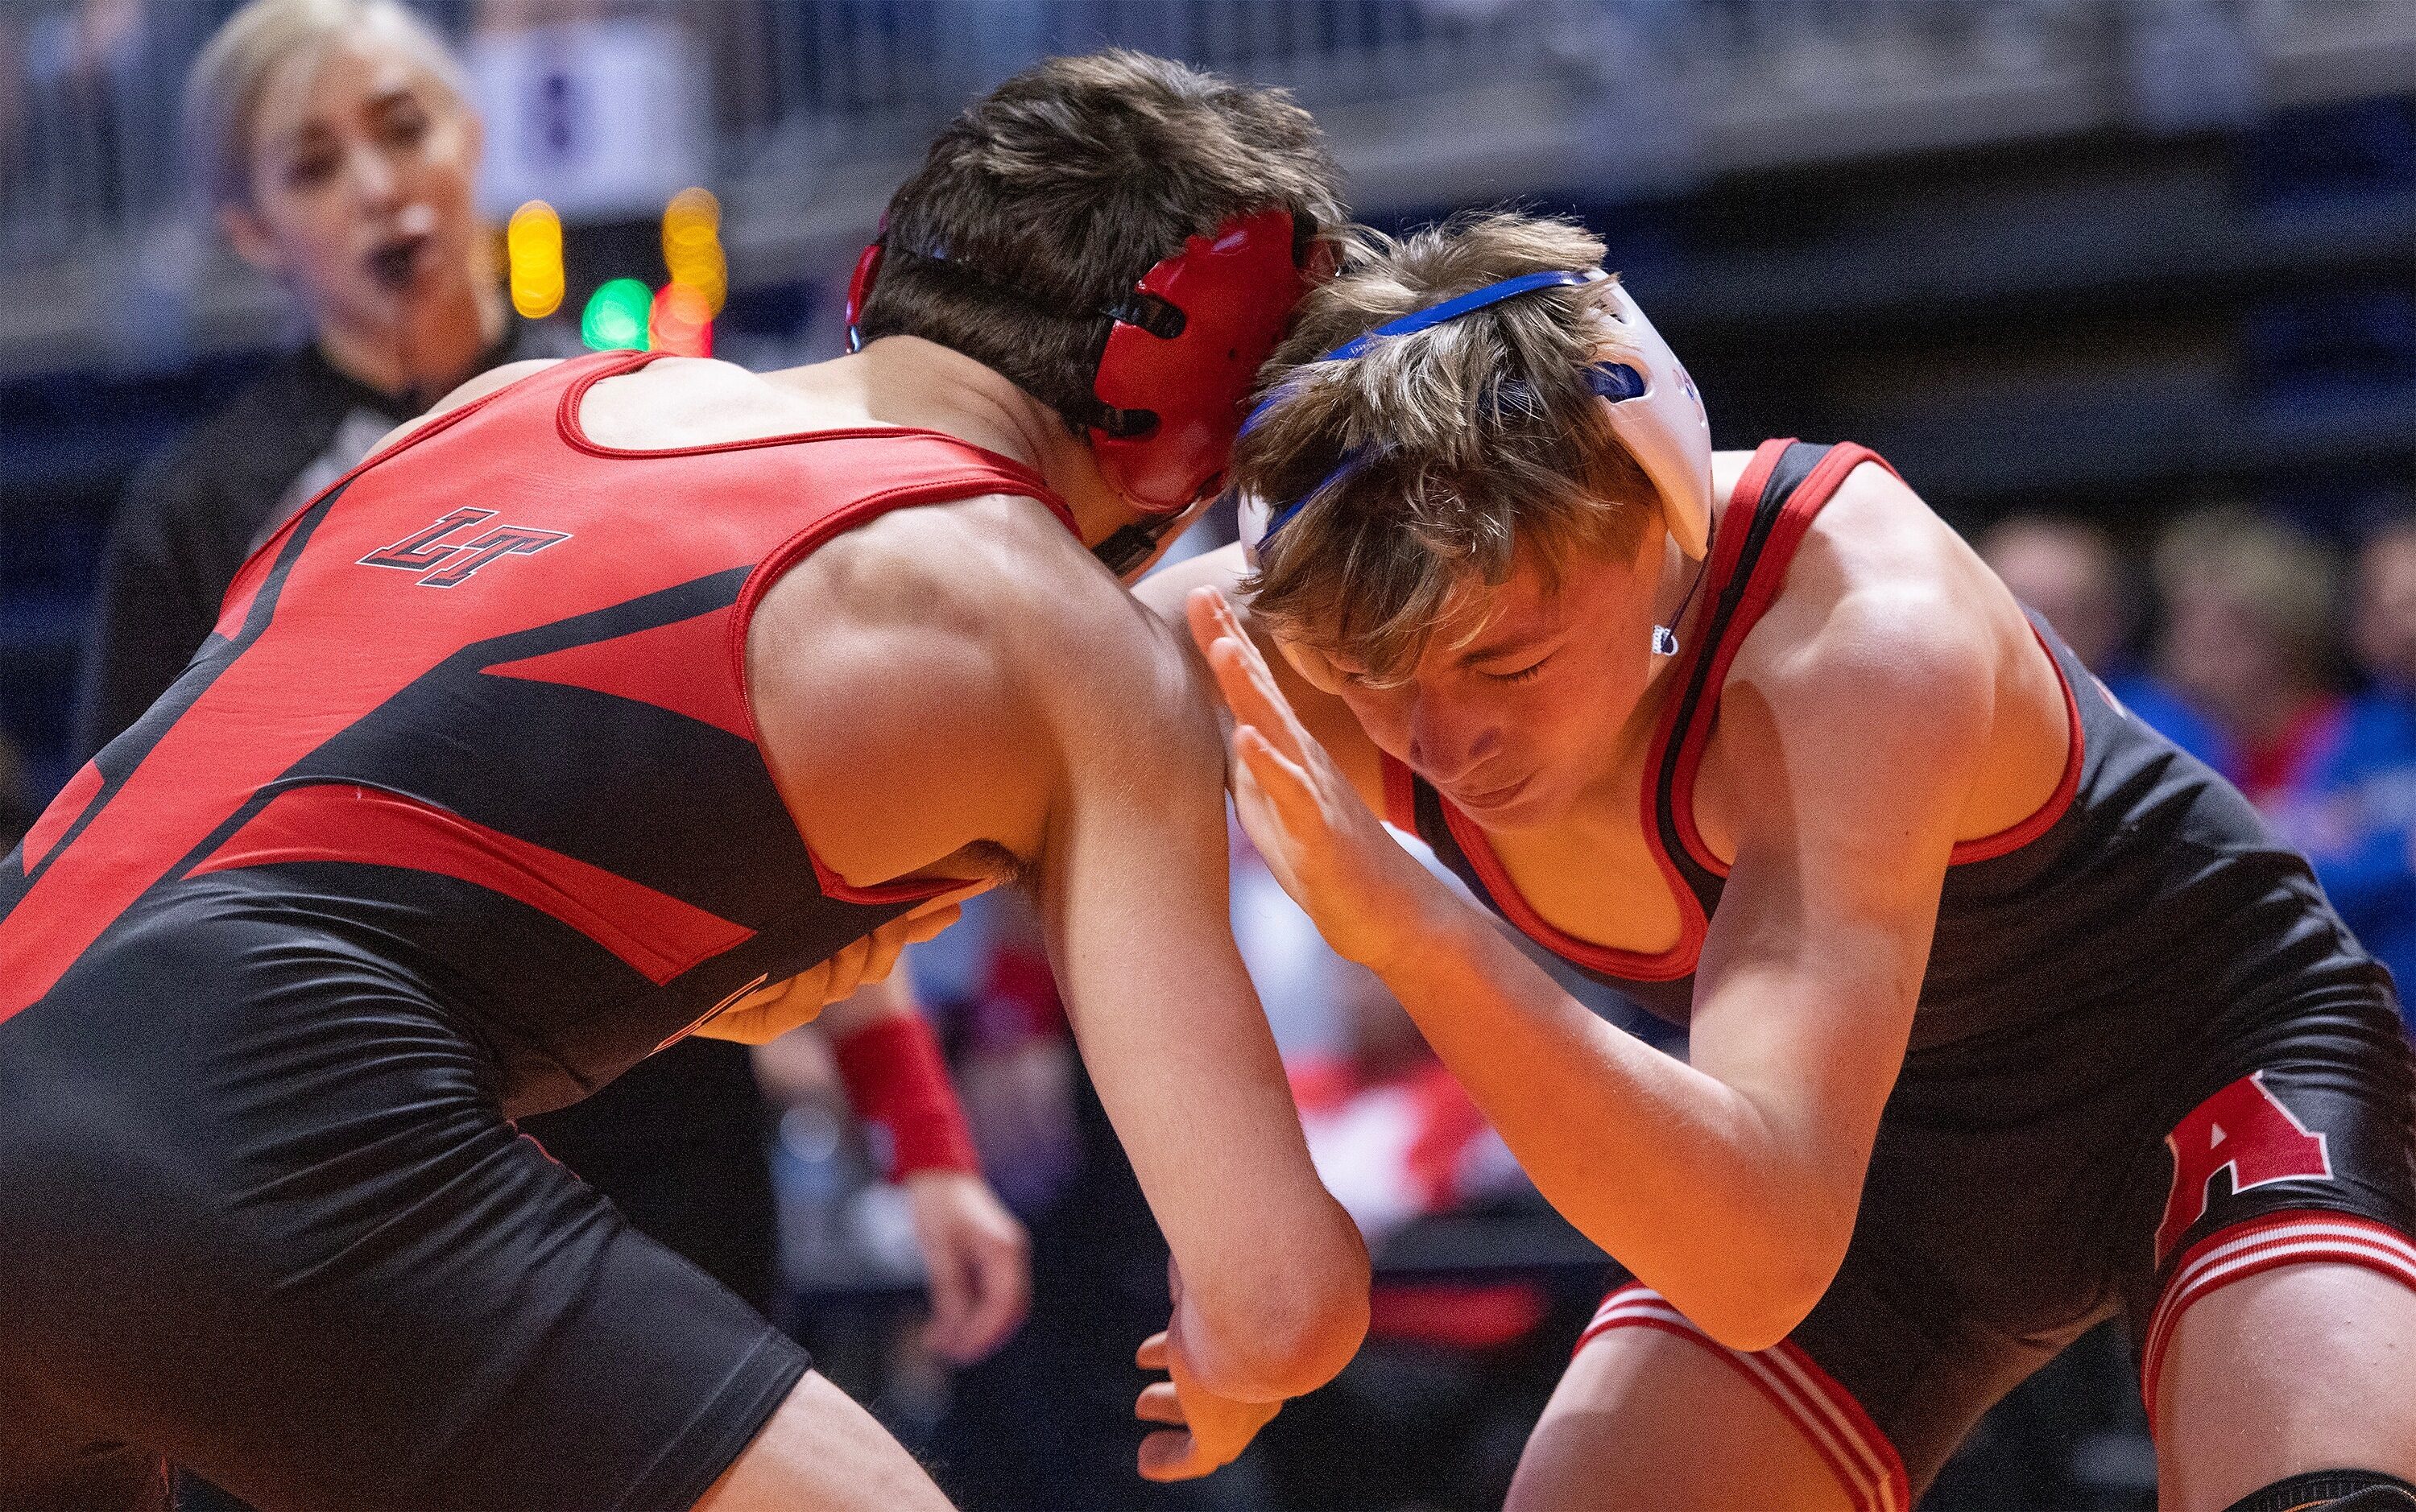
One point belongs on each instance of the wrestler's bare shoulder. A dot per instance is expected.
(1880, 583)
(940, 675)
(1884, 608)
(701, 401)
(1000, 570)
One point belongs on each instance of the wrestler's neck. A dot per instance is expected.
(906, 381)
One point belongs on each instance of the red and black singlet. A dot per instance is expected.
(2143, 867)
(480, 710)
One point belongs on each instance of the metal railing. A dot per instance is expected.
(799, 89)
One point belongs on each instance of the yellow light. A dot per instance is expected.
(532, 248)
(693, 207)
(692, 246)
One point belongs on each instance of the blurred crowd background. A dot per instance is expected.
(2125, 287)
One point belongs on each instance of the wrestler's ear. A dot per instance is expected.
(1313, 667)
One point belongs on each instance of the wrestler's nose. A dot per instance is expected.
(1448, 739)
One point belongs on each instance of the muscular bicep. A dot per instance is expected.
(1843, 802)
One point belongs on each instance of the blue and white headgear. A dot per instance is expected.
(1654, 409)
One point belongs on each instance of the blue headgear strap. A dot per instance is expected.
(1342, 470)
(1613, 380)
(1452, 309)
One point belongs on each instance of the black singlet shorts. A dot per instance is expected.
(2029, 1184)
(260, 1213)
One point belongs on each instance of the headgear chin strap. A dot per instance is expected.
(1654, 409)
(1181, 353)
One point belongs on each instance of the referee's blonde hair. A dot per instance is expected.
(223, 89)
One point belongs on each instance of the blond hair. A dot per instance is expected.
(223, 89)
(2287, 579)
(1471, 443)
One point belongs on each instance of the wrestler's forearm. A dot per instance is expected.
(1676, 1174)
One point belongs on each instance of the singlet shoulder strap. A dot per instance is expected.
(1782, 491)
(915, 449)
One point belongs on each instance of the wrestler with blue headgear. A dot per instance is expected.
(2005, 1016)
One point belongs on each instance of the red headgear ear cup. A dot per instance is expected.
(859, 289)
(1235, 292)
(1180, 356)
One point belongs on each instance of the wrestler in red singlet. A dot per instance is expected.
(624, 700)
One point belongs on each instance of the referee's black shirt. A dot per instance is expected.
(196, 511)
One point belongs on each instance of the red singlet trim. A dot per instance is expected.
(1400, 794)
(2006, 840)
(1729, 535)
(2304, 1236)
(1769, 580)
(575, 433)
(656, 935)
(1862, 1458)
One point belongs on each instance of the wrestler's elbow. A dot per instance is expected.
(1769, 1286)
(1294, 1326)
(1749, 1325)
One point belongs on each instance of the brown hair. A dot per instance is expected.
(1471, 440)
(1050, 197)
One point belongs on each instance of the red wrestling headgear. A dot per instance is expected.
(1178, 361)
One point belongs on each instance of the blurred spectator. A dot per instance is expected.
(1047, 1421)
(2355, 814)
(1395, 1137)
(332, 144)
(71, 83)
(2249, 621)
(1458, 1364)
(1017, 1066)
(963, 1246)
(2069, 571)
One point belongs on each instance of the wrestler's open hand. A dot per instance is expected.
(1330, 852)
(978, 1259)
(768, 1012)
(1204, 1431)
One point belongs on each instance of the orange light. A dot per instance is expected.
(682, 321)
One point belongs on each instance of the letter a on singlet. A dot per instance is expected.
(2243, 1129)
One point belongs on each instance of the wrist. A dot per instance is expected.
(1418, 915)
(896, 1082)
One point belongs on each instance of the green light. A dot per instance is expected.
(615, 317)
